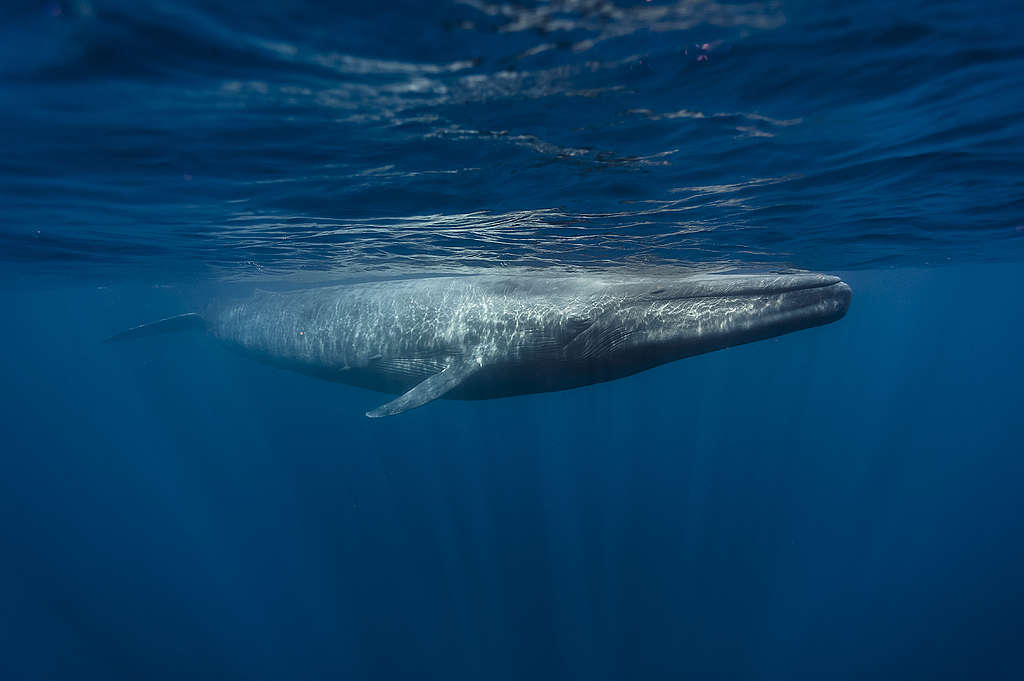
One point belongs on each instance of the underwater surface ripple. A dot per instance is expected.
(293, 139)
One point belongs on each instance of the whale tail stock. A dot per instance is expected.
(190, 321)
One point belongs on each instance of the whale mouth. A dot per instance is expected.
(759, 305)
(746, 308)
(821, 304)
(812, 297)
(802, 300)
(738, 285)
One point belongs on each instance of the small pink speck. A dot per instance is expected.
(702, 57)
(706, 46)
(302, 333)
(188, 178)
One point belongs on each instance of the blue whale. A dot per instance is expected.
(486, 336)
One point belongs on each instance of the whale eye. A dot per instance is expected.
(657, 291)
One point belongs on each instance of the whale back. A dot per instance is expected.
(403, 331)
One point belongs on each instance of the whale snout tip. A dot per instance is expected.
(840, 294)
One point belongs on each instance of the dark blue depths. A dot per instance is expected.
(840, 503)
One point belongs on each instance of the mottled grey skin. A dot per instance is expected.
(495, 336)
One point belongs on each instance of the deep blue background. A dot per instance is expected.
(840, 503)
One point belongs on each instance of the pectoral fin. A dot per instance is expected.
(430, 389)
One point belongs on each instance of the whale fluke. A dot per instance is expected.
(189, 321)
(429, 390)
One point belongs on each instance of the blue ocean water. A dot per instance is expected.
(838, 503)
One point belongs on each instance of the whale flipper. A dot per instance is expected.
(182, 322)
(430, 389)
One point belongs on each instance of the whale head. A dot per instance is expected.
(664, 319)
